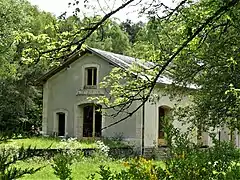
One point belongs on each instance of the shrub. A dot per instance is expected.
(186, 162)
(70, 148)
(62, 166)
(64, 160)
(217, 162)
(102, 148)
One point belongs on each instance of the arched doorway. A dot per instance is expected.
(163, 112)
(60, 119)
(92, 120)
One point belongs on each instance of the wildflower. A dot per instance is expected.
(215, 163)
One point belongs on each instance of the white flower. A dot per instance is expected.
(102, 148)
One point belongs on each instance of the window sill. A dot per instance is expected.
(92, 91)
(90, 87)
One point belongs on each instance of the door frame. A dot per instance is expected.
(94, 120)
(56, 121)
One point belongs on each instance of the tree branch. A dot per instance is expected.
(91, 30)
(222, 10)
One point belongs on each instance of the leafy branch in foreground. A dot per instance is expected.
(8, 159)
(64, 43)
(214, 66)
(145, 84)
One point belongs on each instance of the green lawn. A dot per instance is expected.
(80, 170)
(46, 142)
(43, 142)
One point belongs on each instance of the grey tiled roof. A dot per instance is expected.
(116, 59)
(125, 62)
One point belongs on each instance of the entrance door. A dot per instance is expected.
(61, 124)
(88, 121)
(92, 121)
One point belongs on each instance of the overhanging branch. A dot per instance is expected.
(222, 10)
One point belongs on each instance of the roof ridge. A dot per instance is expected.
(113, 53)
(116, 55)
(109, 53)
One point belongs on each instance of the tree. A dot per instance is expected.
(132, 29)
(177, 45)
(110, 38)
(20, 104)
(26, 32)
(68, 42)
(213, 65)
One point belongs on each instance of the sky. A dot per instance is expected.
(57, 7)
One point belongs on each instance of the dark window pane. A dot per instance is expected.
(89, 76)
(160, 124)
(87, 121)
(95, 76)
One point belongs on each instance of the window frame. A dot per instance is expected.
(93, 83)
(55, 120)
(85, 69)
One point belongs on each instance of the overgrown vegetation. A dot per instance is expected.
(186, 161)
(18, 162)
(9, 156)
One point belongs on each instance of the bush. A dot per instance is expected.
(70, 149)
(217, 162)
(187, 162)
(62, 166)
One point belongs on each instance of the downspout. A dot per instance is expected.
(143, 124)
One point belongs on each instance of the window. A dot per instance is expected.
(91, 77)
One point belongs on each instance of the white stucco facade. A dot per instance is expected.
(64, 92)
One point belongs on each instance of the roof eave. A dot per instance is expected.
(40, 81)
